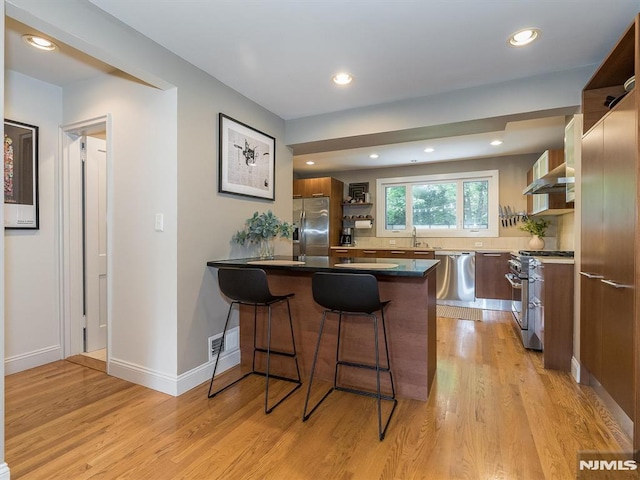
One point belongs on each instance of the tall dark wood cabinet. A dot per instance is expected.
(592, 254)
(609, 327)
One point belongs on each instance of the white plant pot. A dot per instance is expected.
(536, 243)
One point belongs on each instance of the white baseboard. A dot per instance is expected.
(575, 369)
(170, 384)
(203, 373)
(25, 361)
(5, 474)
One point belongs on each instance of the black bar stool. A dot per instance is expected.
(352, 294)
(249, 286)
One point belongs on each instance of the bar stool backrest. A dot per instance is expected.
(346, 292)
(245, 285)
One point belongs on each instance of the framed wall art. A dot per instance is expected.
(20, 175)
(247, 159)
(357, 191)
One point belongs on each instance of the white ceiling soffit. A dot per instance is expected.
(62, 67)
(519, 137)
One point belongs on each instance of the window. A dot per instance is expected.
(449, 205)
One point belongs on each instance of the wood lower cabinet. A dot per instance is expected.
(557, 316)
(491, 268)
(382, 253)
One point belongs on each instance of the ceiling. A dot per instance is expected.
(282, 55)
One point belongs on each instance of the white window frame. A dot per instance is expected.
(492, 176)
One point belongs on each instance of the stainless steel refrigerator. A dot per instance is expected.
(311, 226)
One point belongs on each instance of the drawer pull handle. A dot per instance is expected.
(615, 284)
(491, 255)
(369, 251)
(397, 252)
(591, 275)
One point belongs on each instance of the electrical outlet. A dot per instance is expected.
(479, 244)
(392, 242)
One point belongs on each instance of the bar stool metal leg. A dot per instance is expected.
(267, 374)
(305, 415)
(215, 366)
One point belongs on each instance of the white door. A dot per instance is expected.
(95, 243)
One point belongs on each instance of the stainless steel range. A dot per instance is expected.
(526, 277)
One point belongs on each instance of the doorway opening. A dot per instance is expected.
(85, 241)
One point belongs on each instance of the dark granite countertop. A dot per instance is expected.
(377, 266)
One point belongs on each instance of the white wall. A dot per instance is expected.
(142, 183)
(165, 299)
(558, 90)
(32, 320)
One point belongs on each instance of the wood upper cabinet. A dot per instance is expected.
(491, 268)
(316, 187)
(549, 203)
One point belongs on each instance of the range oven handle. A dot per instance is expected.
(510, 277)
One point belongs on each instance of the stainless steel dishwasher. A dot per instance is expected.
(456, 276)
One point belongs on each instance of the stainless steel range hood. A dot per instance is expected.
(555, 181)
(542, 185)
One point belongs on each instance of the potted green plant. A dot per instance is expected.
(262, 229)
(537, 227)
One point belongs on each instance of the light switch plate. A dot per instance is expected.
(159, 222)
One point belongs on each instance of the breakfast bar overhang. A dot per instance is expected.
(410, 319)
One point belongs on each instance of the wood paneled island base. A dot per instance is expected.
(410, 322)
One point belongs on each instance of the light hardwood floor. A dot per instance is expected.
(494, 413)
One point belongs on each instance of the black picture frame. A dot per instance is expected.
(21, 202)
(357, 191)
(247, 160)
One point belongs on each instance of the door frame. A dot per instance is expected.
(71, 225)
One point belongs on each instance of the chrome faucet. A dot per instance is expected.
(414, 243)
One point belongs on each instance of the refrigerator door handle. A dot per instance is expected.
(303, 233)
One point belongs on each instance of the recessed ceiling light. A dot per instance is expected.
(495, 143)
(523, 37)
(429, 149)
(39, 42)
(374, 155)
(310, 162)
(342, 79)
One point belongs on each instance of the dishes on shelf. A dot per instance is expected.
(629, 84)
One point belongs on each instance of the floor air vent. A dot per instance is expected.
(216, 344)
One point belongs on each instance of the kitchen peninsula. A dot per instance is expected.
(410, 319)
